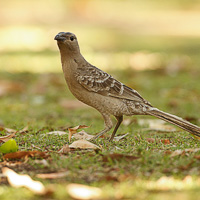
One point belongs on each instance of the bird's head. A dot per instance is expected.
(67, 41)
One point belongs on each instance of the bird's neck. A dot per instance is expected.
(67, 55)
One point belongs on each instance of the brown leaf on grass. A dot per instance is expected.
(65, 149)
(197, 157)
(82, 135)
(83, 144)
(183, 152)
(168, 152)
(56, 133)
(153, 140)
(53, 175)
(7, 137)
(178, 152)
(17, 180)
(117, 156)
(25, 154)
(13, 133)
(186, 167)
(165, 141)
(191, 119)
(10, 163)
(192, 150)
(78, 191)
(7, 130)
(110, 178)
(74, 130)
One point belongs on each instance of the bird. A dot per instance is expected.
(106, 94)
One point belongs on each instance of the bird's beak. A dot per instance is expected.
(60, 36)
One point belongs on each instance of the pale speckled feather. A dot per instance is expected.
(96, 80)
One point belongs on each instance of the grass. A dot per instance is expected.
(37, 103)
(41, 100)
(33, 92)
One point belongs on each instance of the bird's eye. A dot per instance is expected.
(71, 38)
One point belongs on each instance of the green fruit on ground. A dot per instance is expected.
(9, 146)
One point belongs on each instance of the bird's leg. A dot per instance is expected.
(108, 126)
(119, 121)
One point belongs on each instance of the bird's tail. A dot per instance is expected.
(193, 129)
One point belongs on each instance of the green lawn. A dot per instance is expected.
(40, 101)
(161, 37)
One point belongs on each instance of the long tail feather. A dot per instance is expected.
(193, 129)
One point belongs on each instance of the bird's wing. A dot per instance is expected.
(96, 80)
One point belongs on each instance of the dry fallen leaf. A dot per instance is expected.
(7, 137)
(110, 178)
(117, 156)
(8, 130)
(150, 140)
(17, 180)
(186, 167)
(83, 144)
(11, 163)
(78, 191)
(168, 152)
(177, 152)
(56, 133)
(197, 157)
(12, 131)
(74, 130)
(65, 149)
(165, 141)
(82, 135)
(153, 140)
(182, 152)
(25, 154)
(53, 175)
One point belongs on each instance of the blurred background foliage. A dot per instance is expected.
(152, 46)
(113, 34)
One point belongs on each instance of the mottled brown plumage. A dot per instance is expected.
(101, 91)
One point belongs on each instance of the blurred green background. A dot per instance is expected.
(113, 34)
(152, 46)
